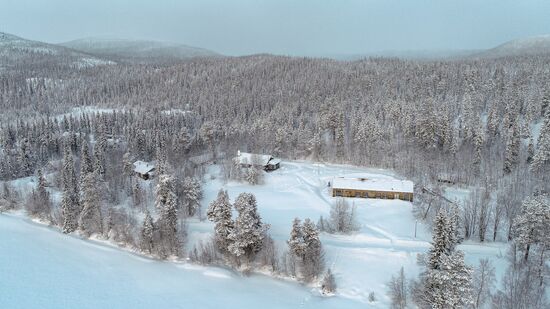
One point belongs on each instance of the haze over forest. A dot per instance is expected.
(287, 27)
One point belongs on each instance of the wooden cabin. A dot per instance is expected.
(144, 170)
(265, 162)
(382, 188)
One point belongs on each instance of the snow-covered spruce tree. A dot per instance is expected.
(25, 159)
(449, 286)
(545, 103)
(541, 159)
(162, 160)
(455, 225)
(511, 155)
(313, 261)
(296, 241)
(70, 207)
(192, 194)
(166, 203)
(426, 125)
(478, 140)
(86, 163)
(91, 219)
(220, 213)
(492, 120)
(208, 133)
(442, 240)
(146, 236)
(328, 285)
(100, 150)
(531, 226)
(446, 281)
(249, 231)
(127, 164)
(182, 140)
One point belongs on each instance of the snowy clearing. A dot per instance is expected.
(362, 262)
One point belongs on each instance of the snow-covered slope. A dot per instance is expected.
(15, 50)
(535, 45)
(42, 268)
(137, 49)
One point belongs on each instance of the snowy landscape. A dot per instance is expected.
(275, 154)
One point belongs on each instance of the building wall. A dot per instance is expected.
(405, 196)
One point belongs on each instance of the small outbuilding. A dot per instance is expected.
(382, 188)
(263, 161)
(144, 170)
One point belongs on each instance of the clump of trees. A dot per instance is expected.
(244, 241)
(39, 203)
(446, 281)
(239, 239)
(525, 282)
(306, 249)
(342, 219)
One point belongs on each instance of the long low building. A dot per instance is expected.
(383, 188)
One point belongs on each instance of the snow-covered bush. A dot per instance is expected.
(343, 219)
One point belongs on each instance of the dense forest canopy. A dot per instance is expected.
(365, 111)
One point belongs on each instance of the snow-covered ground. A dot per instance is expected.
(41, 268)
(362, 262)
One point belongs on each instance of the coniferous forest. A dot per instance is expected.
(478, 123)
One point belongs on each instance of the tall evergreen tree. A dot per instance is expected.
(248, 235)
(511, 156)
(91, 219)
(296, 240)
(219, 212)
(192, 195)
(166, 204)
(70, 207)
(541, 160)
(313, 262)
(531, 226)
(147, 229)
(446, 281)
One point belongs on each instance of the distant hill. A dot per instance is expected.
(536, 45)
(137, 49)
(404, 54)
(16, 51)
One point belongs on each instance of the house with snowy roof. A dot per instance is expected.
(144, 170)
(263, 161)
(383, 188)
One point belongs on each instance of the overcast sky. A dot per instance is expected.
(295, 27)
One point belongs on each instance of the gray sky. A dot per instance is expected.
(295, 27)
